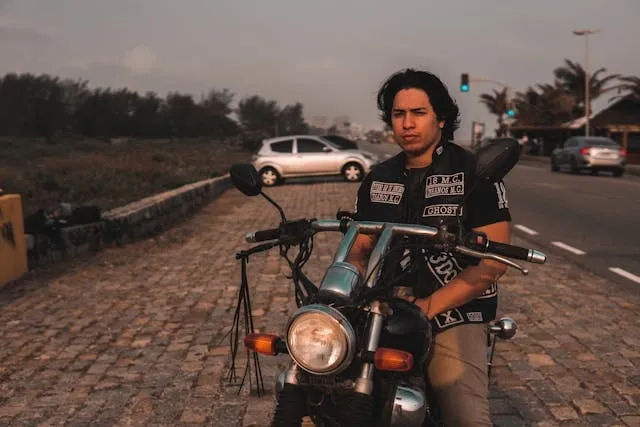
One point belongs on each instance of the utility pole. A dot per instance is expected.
(587, 113)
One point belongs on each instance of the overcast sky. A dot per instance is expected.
(330, 55)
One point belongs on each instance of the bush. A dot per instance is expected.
(90, 172)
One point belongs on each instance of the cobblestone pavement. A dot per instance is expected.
(132, 335)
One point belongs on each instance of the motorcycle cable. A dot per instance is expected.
(303, 286)
(379, 291)
(244, 303)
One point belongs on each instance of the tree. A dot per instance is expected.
(256, 114)
(146, 121)
(215, 109)
(548, 106)
(291, 120)
(47, 106)
(630, 84)
(571, 77)
(182, 115)
(497, 104)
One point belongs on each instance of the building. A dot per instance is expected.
(619, 121)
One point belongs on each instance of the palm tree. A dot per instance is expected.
(496, 103)
(549, 105)
(630, 84)
(571, 77)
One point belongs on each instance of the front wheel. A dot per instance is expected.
(352, 172)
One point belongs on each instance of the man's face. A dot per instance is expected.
(414, 123)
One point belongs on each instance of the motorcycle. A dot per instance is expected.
(357, 352)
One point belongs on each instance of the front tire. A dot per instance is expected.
(290, 408)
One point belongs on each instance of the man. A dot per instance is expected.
(428, 179)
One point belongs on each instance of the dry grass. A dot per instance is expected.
(94, 172)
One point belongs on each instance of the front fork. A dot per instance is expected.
(364, 383)
(377, 312)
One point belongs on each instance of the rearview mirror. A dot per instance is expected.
(246, 179)
(494, 161)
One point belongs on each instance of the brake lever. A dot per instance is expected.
(470, 252)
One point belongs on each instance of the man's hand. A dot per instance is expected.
(423, 303)
(473, 281)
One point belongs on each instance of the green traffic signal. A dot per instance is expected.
(464, 82)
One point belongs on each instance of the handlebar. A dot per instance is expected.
(483, 248)
(263, 235)
(516, 252)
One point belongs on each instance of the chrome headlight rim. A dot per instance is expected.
(345, 326)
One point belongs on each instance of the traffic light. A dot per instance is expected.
(511, 112)
(464, 82)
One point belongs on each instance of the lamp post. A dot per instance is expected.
(587, 113)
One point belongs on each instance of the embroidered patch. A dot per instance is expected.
(444, 267)
(490, 292)
(441, 210)
(445, 185)
(448, 318)
(386, 192)
(475, 316)
(502, 195)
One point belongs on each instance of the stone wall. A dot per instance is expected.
(140, 219)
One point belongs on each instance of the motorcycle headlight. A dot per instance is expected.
(320, 339)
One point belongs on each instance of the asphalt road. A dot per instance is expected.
(592, 220)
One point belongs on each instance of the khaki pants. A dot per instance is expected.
(458, 375)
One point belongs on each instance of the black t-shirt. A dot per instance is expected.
(431, 196)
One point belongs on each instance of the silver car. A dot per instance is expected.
(592, 153)
(308, 155)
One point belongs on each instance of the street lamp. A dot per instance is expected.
(586, 33)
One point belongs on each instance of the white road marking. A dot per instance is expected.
(625, 274)
(526, 229)
(521, 166)
(551, 185)
(568, 248)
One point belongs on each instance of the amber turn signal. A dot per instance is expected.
(262, 343)
(390, 359)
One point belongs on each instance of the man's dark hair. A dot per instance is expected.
(444, 106)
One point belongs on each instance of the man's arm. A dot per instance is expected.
(488, 211)
(364, 243)
(472, 281)
(360, 252)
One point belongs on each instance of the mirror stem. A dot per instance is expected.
(270, 200)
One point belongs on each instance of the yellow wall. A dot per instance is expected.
(13, 250)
